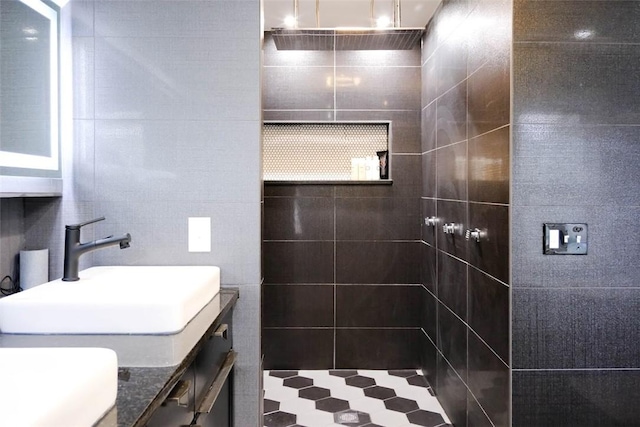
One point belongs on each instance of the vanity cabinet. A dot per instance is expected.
(201, 397)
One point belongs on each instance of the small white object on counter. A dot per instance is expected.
(34, 268)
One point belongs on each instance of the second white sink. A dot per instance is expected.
(113, 300)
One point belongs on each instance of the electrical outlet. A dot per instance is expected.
(200, 234)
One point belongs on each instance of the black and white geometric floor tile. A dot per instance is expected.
(350, 398)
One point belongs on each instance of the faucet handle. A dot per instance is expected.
(82, 224)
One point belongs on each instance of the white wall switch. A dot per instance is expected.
(200, 234)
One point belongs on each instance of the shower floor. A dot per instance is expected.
(350, 398)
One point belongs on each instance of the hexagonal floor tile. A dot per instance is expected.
(352, 418)
(400, 404)
(378, 392)
(425, 418)
(343, 373)
(297, 406)
(315, 418)
(314, 393)
(404, 373)
(389, 418)
(271, 406)
(368, 405)
(298, 382)
(281, 394)
(418, 380)
(360, 381)
(279, 419)
(283, 374)
(331, 404)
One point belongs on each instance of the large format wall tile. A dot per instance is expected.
(564, 21)
(451, 116)
(378, 306)
(452, 213)
(377, 218)
(583, 328)
(575, 398)
(377, 262)
(428, 268)
(298, 262)
(589, 94)
(405, 126)
(377, 348)
(490, 253)
(451, 167)
(451, 392)
(489, 170)
(452, 284)
(488, 97)
(370, 88)
(300, 218)
(297, 348)
(488, 311)
(488, 380)
(297, 305)
(300, 88)
(452, 340)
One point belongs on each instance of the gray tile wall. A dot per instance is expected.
(167, 125)
(11, 237)
(575, 339)
(466, 165)
(342, 262)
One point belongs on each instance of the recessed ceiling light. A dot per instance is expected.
(290, 21)
(383, 22)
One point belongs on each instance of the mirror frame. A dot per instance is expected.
(52, 162)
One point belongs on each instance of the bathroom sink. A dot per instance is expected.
(113, 300)
(71, 387)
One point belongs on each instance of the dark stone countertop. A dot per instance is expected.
(148, 365)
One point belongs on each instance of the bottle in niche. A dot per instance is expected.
(383, 159)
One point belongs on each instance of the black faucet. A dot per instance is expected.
(73, 249)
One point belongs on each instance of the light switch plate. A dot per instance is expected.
(200, 234)
(565, 239)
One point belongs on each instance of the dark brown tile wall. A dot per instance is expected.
(575, 337)
(342, 263)
(466, 169)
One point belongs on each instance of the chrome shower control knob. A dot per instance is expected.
(472, 234)
(449, 228)
(431, 221)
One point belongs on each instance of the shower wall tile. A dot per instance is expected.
(299, 115)
(451, 392)
(429, 127)
(297, 306)
(576, 398)
(451, 171)
(377, 218)
(429, 184)
(488, 380)
(430, 315)
(380, 58)
(489, 170)
(489, 254)
(451, 61)
(377, 262)
(371, 88)
(452, 340)
(298, 348)
(428, 268)
(475, 415)
(298, 262)
(452, 284)
(583, 328)
(301, 218)
(430, 81)
(405, 126)
(494, 41)
(405, 173)
(298, 88)
(489, 312)
(589, 94)
(378, 306)
(429, 360)
(377, 348)
(451, 116)
(293, 190)
(488, 97)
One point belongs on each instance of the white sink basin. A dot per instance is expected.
(113, 300)
(44, 387)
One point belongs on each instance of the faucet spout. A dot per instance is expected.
(73, 249)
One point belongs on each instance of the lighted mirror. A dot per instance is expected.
(29, 119)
